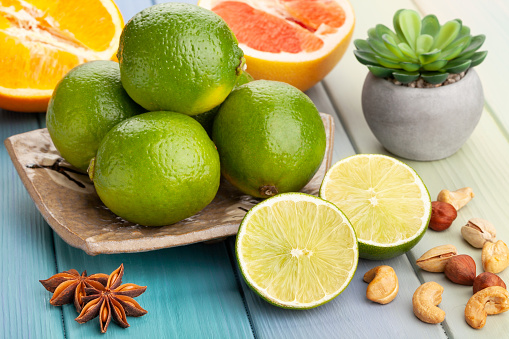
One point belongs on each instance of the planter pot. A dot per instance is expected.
(422, 123)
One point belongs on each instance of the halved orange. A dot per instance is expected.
(41, 40)
(295, 41)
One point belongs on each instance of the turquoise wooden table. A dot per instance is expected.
(196, 291)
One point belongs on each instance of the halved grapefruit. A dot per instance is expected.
(295, 41)
(41, 40)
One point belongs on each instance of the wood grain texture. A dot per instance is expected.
(481, 163)
(26, 249)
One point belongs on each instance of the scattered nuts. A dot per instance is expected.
(460, 269)
(495, 257)
(383, 284)
(458, 198)
(425, 300)
(477, 231)
(435, 259)
(487, 279)
(442, 216)
(491, 300)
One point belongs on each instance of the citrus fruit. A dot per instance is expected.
(295, 41)
(156, 168)
(179, 57)
(42, 40)
(296, 250)
(270, 138)
(206, 119)
(385, 200)
(87, 102)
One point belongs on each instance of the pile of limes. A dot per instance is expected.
(144, 127)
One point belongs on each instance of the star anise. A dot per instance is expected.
(112, 300)
(70, 285)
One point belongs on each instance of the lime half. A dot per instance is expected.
(386, 201)
(296, 250)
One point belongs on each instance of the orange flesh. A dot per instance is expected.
(292, 34)
(41, 40)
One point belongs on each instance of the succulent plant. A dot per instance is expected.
(419, 48)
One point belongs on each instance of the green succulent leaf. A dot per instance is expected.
(365, 58)
(435, 78)
(405, 77)
(475, 44)
(380, 72)
(410, 67)
(362, 45)
(409, 52)
(428, 58)
(435, 65)
(383, 30)
(455, 48)
(465, 31)
(430, 25)
(457, 66)
(397, 28)
(388, 63)
(392, 46)
(380, 49)
(410, 24)
(448, 32)
(424, 43)
(478, 57)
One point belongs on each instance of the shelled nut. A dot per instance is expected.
(383, 284)
(491, 300)
(495, 256)
(478, 231)
(458, 198)
(435, 259)
(461, 269)
(487, 279)
(425, 300)
(442, 216)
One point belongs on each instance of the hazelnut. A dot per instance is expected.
(461, 269)
(487, 279)
(442, 215)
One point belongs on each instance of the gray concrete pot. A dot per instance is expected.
(422, 123)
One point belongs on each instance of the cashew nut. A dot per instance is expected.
(383, 284)
(495, 256)
(491, 300)
(458, 198)
(425, 300)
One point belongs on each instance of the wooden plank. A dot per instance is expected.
(480, 164)
(26, 249)
(491, 19)
(192, 291)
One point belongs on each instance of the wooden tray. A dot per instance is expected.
(67, 200)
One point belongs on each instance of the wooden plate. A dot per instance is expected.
(67, 200)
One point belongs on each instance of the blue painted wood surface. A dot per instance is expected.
(196, 291)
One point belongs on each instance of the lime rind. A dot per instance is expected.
(369, 248)
(320, 203)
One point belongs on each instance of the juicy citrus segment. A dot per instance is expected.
(296, 250)
(295, 41)
(386, 201)
(291, 38)
(43, 40)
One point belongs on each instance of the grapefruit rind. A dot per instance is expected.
(375, 250)
(262, 292)
(302, 70)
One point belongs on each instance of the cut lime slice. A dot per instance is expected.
(296, 250)
(385, 200)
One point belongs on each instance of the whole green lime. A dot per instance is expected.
(86, 103)
(156, 168)
(270, 138)
(179, 57)
(207, 119)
